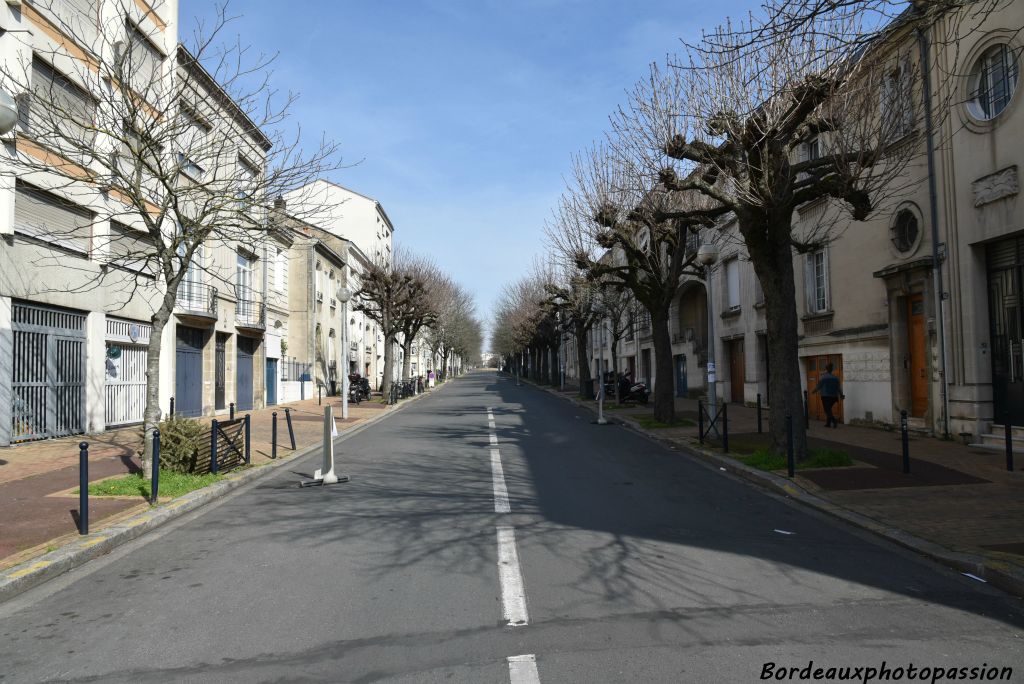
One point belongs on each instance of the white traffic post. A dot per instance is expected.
(326, 474)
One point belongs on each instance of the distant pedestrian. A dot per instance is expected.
(831, 392)
(430, 379)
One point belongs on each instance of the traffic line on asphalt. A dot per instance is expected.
(513, 593)
(522, 669)
(494, 439)
(498, 482)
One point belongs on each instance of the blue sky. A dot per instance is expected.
(463, 114)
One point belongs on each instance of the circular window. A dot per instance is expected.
(992, 82)
(905, 231)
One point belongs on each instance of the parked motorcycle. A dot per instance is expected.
(358, 386)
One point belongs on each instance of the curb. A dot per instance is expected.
(1002, 575)
(39, 570)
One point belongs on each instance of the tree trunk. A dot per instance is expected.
(615, 369)
(389, 366)
(586, 386)
(406, 359)
(152, 414)
(773, 263)
(664, 394)
(556, 369)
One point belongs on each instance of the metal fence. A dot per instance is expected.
(291, 369)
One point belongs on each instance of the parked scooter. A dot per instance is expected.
(632, 391)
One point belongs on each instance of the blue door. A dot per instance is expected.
(188, 372)
(271, 382)
(243, 374)
(681, 387)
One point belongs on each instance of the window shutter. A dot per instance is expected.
(72, 110)
(144, 62)
(131, 249)
(44, 216)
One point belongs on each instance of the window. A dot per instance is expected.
(44, 216)
(896, 106)
(905, 231)
(993, 81)
(248, 173)
(58, 112)
(280, 270)
(142, 64)
(191, 290)
(732, 284)
(243, 277)
(193, 144)
(817, 282)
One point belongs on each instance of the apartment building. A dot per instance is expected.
(362, 221)
(219, 330)
(79, 284)
(72, 340)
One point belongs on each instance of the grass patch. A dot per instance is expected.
(763, 459)
(650, 422)
(171, 484)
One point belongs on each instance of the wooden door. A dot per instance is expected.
(737, 370)
(918, 361)
(815, 368)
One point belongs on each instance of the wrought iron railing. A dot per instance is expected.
(197, 298)
(250, 312)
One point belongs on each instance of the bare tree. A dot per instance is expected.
(761, 128)
(395, 296)
(624, 229)
(160, 156)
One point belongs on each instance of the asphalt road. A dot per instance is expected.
(617, 560)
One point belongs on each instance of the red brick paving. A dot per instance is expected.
(31, 516)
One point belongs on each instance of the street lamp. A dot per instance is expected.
(559, 302)
(707, 255)
(344, 295)
(8, 113)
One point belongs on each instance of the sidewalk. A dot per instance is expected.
(960, 498)
(36, 478)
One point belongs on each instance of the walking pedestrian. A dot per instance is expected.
(831, 391)
(430, 379)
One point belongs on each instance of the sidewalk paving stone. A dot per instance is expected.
(36, 478)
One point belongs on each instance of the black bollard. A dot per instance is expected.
(83, 488)
(213, 446)
(291, 430)
(319, 392)
(1009, 441)
(247, 440)
(231, 411)
(759, 430)
(273, 435)
(807, 413)
(790, 461)
(154, 486)
(725, 427)
(700, 420)
(905, 436)
(172, 407)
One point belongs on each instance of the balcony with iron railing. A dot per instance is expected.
(250, 312)
(197, 302)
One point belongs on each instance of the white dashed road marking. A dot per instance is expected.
(513, 595)
(522, 669)
(498, 482)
